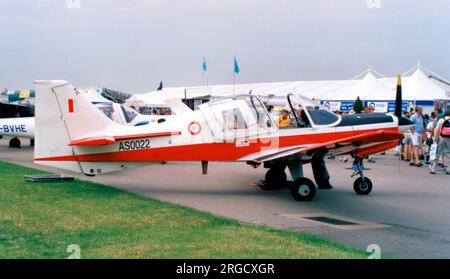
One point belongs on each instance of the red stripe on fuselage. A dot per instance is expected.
(210, 151)
(59, 158)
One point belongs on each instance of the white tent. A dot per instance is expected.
(141, 100)
(158, 98)
(419, 87)
(370, 86)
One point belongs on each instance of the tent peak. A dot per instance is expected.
(371, 72)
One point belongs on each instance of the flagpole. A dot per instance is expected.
(204, 79)
(205, 72)
(234, 82)
(234, 74)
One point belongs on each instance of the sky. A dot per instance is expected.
(131, 45)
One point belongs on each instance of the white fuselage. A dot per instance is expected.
(17, 127)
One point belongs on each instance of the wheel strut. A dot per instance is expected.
(362, 185)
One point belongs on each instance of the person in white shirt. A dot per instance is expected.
(442, 137)
(430, 126)
(430, 133)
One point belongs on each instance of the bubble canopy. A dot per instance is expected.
(308, 112)
(238, 116)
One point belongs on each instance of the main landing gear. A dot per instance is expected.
(362, 185)
(302, 188)
(276, 178)
(15, 143)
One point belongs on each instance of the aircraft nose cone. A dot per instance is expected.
(404, 124)
(403, 121)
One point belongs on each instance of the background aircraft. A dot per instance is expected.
(22, 109)
(23, 127)
(71, 134)
(20, 127)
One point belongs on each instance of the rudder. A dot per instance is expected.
(62, 115)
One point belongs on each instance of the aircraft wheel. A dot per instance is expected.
(275, 178)
(14, 143)
(31, 142)
(362, 187)
(303, 189)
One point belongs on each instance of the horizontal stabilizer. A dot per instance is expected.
(93, 141)
(107, 140)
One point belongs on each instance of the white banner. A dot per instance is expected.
(333, 106)
(379, 106)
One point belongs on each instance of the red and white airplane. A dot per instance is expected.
(72, 134)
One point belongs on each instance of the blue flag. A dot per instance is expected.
(236, 66)
(204, 68)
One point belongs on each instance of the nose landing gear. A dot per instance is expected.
(362, 185)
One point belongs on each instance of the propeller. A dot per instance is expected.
(398, 97)
(403, 122)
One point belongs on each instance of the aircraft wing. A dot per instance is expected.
(364, 144)
(107, 140)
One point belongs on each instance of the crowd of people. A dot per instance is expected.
(428, 140)
(426, 143)
(153, 111)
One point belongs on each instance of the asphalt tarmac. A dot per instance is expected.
(406, 215)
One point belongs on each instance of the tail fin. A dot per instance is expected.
(62, 115)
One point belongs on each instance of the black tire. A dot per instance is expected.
(303, 189)
(14, 143)
(31, 142)
(275, 178)
(362, 188)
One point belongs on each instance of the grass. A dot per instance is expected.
(39, 220)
